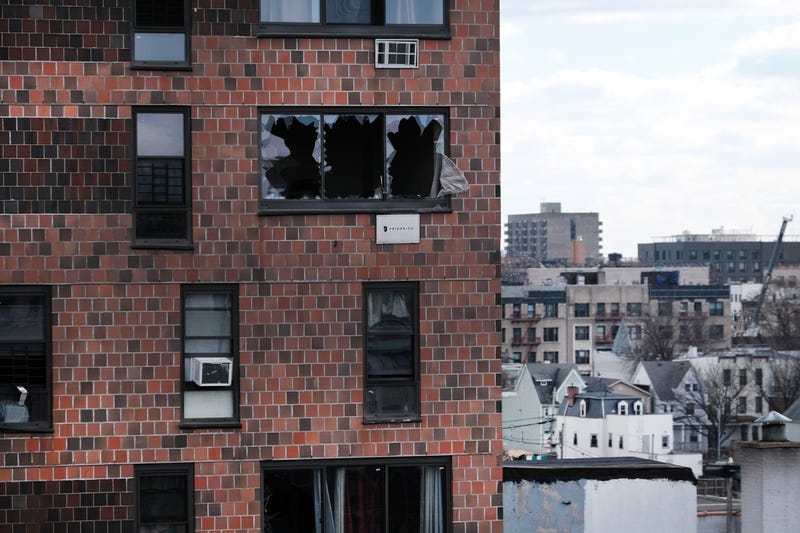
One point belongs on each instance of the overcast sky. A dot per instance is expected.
(660, 115)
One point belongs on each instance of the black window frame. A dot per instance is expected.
(550, 334)
(716, 332)
(385, 204)
(185, 29)
(585, 335)
(371, 414)
(183, 470)
(183, 208)
(581, 310)
(378, 27)
(233, 421)
(327, 468)
(44, 425)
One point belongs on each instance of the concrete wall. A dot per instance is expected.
(770, 485)
(592, 506)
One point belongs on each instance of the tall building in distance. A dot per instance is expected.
(733, 256)
(555, 238)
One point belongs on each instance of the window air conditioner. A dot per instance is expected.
(396, 53)
(211, 371)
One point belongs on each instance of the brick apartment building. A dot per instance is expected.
(201, 326)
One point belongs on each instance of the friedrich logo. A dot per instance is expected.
(385, 229)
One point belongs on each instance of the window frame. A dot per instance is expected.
(186, 64)
(282, 206)
(161, 470)
(413, 289)
(45, 292)
(585, 333)
(581, 310)
(185, 208)
(327, 466)
(550, 334)
(216, 422)
(378, 28)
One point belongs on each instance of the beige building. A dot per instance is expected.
(565, 315)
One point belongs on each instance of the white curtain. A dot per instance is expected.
(383, 303)
(414, 11)
(430, 501)
(332, 506)
(290, 10)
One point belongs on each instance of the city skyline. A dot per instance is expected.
(663, 118)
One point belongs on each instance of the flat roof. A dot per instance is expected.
(598, 468)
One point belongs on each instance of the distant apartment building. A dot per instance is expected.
(565, 315)
(553, 237)
(733, 257)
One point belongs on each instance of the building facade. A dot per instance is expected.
(734, 257)
(567, 315)
(553, 237)
(249, 266)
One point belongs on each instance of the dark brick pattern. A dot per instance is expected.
(66, 97)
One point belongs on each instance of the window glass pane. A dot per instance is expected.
(159, 47)
(208, 404)
(161, 226)
(162, 498)
(390, 355)
(160, 13)
(414, 12)
(360, 499)
(388, 400)
(22, 317)
(348, 11)
(208, 323)
(289, 501)
(290, 10)
(353, 156)
(290, 154)
(388, 310)
(160, 182)
(413, 145)
(159, 134)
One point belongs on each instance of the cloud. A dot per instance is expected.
(773, 53)
(604, 11)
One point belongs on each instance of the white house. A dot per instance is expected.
(531, 395)
(601, 423)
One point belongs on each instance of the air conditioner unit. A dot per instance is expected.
(396, 53)
(211, 371)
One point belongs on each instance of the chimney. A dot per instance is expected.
(571, 392)
(773, 426)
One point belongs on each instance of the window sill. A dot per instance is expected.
(25, 428)
(273, 29)
(211, 423)
(161, 66)
(415, 419)
(162, 245)
(426, 205)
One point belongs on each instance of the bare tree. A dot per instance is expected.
(782, 387)
(780, 317)
(665, 336)
(711, 408)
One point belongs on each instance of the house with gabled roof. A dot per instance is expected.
(601, 423)
(667, 382)
(532, 394)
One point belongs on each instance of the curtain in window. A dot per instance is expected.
(431, 518)
(290, 10)
(387, 304)
(414, 12)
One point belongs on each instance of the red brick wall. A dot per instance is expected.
(66, 93)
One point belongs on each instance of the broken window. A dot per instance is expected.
(25, 359)
(341, 160)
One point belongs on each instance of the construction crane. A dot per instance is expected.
(752, 330)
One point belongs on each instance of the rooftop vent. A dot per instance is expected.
(396, 53)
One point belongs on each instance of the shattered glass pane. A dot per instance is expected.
(290, 155)
(353, 156)
(413, 145)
